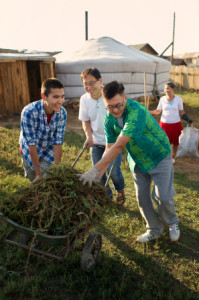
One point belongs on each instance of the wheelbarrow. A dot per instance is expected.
(53, 246)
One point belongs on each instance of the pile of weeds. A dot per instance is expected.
(57, 203)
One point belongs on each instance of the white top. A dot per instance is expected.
(94, 111)
(170, 110)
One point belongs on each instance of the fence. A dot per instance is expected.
(185, 77)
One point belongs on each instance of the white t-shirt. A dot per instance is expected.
(170, 110)
(94, 111)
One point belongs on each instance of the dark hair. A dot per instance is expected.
(50, 83)
(113, 88)
(91, 71)
(171, 84)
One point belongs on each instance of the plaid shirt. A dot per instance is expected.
(36, 131)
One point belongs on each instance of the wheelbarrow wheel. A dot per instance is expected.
(91, 251)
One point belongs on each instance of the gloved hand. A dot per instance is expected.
(90, 176)
(186, 118)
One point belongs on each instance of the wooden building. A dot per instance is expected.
(191, 59)
(145, 48)
(21, 76)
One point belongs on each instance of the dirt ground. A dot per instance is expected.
(190, 166)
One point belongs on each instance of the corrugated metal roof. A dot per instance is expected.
(19, 56)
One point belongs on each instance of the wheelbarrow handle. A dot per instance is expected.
(109, 175)
(80, 154)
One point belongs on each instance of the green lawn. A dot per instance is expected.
(126, 269)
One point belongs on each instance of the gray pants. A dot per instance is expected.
(162, 194)
(29, 173)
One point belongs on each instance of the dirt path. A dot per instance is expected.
(190, 166)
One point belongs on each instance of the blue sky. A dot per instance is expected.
(60, 25)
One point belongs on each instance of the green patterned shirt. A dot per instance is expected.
(148, 145)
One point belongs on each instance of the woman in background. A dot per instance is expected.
(171, 107)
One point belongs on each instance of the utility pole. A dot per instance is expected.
(174, 15)
(86, 24)
(172, 43)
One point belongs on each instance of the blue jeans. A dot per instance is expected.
(97, 152)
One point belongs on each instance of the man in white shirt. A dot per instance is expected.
(92, 112)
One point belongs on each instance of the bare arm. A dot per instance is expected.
(88, 132)
(57, 149)
(108, 146)
(35, 160)
(181, 112)
(155, 112)
(111, 154)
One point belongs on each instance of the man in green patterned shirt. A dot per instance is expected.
(129, 124)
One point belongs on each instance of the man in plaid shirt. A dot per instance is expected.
(43, 124)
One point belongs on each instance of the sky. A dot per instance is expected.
(59, 25)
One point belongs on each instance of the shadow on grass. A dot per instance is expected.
(186, 247)
(188, 244)
(139, 278)
(155, 275)
(123, 210)
(10, 167)
(65, 280)
(181, 179)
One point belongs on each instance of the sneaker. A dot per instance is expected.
(173, 160)
(146, 237)
(174, 232)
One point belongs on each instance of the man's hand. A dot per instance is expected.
(90, 176)
(88, 143)
(38, 177)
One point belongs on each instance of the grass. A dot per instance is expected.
(190, 98)
(125, 269)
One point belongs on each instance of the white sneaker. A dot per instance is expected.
(174, 232)
(173, 160)
(146, 237)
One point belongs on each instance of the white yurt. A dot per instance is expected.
(140, 72)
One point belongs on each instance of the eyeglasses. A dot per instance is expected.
(91, 83)
(118, 106)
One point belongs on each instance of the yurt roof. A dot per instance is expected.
(108, 54)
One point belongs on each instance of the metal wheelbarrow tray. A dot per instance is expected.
(54, 246)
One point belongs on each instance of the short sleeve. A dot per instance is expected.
(83, 115)
(159, 107)
(109, 131)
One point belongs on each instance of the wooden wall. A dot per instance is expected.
(46, 70)
(185, 77)
(15, 90)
